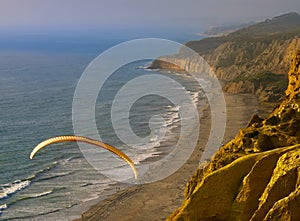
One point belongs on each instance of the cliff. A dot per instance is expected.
(251, 60)
(224, 30)
(256, 176)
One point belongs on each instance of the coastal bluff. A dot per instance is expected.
(255, 176)
(252, 60)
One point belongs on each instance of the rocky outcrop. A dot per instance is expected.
(182, 62)
(294, 81)
(256, 176)
(252, 60)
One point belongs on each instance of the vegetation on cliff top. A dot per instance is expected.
(277, 82)
(244, 58)
(279, 28)
(249, 54)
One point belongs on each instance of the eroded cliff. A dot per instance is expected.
(256, 176)
(251, 60)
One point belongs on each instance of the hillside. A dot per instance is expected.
(251, 60)
(224, 29)
(256, 176)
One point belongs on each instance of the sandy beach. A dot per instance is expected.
(156, 201)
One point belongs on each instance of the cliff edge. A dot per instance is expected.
(251, 60)
(256, 176)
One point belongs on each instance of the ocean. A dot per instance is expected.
(37, 86)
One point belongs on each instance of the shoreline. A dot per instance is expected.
(156, 201)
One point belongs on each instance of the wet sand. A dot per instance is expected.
(156, 201)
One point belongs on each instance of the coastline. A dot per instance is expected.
(156, 201)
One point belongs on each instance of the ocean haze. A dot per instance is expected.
(190, 15)
(91, 40)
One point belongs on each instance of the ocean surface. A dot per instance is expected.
(37, 86)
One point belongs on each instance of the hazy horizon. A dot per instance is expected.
(44, 17)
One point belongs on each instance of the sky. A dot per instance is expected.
(93, 14)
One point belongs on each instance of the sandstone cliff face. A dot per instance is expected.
(256, 176)
(240, 64)
(243, 56)
(181, 62)
(233, 59)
